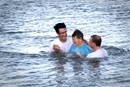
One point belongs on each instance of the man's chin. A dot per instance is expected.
(64, 39)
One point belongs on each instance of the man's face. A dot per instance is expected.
(76, 40)
(90, 43)
(62, 34)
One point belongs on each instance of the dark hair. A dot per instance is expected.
(96, 39)
(58, 26)
(78, 33)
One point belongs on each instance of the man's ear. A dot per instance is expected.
(94, 44)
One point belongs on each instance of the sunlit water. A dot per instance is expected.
(26, 30)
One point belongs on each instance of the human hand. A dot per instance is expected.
(79, 54)
(56, 48)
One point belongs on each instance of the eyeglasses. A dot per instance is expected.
(63, 32)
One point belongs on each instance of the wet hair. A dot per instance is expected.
(96, 39)
(58, 26)
(78, 33)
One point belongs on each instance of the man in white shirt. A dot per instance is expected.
(95, 44)
(62, 43)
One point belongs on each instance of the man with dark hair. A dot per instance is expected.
(79, 46)
(62, 43)
(95, 44)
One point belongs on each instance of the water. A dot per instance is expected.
(26, 30)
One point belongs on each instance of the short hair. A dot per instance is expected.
(58, 26)
(78, 33)
(96, 39)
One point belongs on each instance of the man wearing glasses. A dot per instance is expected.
(62, 43)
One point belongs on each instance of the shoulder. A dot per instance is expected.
(72, 46)
(91, 55)
(102, 50)
(86, 46)
(55, 41)
(69, 42)
(69, 39)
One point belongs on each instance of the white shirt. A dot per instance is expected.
(100, 53)
(64, 46)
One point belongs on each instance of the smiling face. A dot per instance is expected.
(76, 41)
(62, 34)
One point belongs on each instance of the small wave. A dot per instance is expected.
(4, 2)
(5, 54)
(10, 32)
(13, 32)
(57, 55)
(116, 51)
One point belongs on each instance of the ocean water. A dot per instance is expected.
(26, 30)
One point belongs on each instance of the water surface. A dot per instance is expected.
(26, 30)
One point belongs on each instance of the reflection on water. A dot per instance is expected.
(59, 70)
(26, 30)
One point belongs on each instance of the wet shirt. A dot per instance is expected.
(84, 50)
(100, 53)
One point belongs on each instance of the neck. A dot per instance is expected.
(96, 48)
(62, 40)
